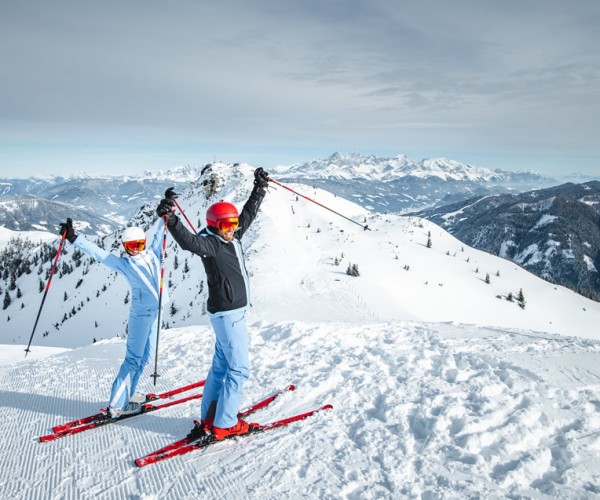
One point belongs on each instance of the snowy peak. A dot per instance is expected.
(185, 173)
(355, 166)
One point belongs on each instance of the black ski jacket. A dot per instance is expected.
(228, 285)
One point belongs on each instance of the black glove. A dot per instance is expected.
(166, 208)
(261, 178)
(170, 194)
(67, 229)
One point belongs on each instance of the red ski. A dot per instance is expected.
(103, 418)
(204, 442)
(249, 411)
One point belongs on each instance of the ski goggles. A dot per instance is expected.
(134, 245)
(228, 224)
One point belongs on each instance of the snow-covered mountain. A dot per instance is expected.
(116, 198)
(89, 301)
(400, 184)
(441, 387)
(552, 232)
(30, 213)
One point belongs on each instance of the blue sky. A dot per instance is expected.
(130, 85)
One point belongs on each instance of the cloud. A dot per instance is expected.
(294, 74)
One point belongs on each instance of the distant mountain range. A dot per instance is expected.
(104, 203)
(553, 232)
(399, 184)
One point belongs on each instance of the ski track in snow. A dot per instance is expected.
(425, 410)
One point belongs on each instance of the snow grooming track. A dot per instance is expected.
(422, 410)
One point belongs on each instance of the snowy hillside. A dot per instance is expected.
(441, 387)
(296, 243)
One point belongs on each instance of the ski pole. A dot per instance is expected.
(365, 227)
(185, 216)
(52, 270)
(155, 375)
(170, 194)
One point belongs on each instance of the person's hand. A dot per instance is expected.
(261, 178)
(165, 208)
(67, 229)
(170, 194)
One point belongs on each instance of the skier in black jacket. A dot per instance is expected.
(219, 247)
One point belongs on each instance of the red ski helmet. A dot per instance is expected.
(220, 210)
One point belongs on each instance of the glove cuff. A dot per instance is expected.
(260, 190)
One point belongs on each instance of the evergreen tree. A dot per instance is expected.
(521, 299)
(173, 309)
(19, 293)
(352, 270)
(7, 300)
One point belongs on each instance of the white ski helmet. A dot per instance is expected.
(133, 234)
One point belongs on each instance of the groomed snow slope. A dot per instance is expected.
(430, 410)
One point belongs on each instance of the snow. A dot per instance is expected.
(441, 387)
(34, 236)
(590, 264)
(544, 220)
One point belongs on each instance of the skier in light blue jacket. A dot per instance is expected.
(141, 268)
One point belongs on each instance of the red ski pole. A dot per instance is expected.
(62, 240)
(155, 375)
(365, 227)
(170, 194)
(185, 216)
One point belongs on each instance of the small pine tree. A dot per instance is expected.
(126, 299)
(19, 293)
(186, 267)
(521, 299)
(487, 278)
(429, 244)
(65, 297)
(173, 309)
(352, 270)
(509, 297)
(7, 300)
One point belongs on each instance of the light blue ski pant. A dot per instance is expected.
(141, 344)
(230, 368)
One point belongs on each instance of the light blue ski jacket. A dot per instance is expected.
(142, 272)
